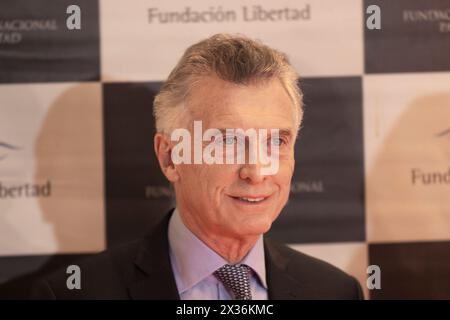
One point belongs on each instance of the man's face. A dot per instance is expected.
(212, 196)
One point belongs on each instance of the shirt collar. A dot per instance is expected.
(193, 261)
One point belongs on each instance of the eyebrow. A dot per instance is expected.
(282, 132)
(286, 133)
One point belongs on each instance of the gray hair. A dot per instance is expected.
(233, 58)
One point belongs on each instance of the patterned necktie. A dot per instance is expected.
(236, 278)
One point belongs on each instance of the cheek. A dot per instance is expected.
(189, 183)
(214, 179)
(220, 175)
(287, 165)
(284, 176)
(187, 173)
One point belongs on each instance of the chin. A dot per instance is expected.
(255, 229)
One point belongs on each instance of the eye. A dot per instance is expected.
(277, 141)
(229, 140)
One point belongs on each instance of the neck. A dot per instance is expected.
(231, 248)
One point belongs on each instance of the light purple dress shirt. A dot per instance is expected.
(193, 264)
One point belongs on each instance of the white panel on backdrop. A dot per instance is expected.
(407, 151)
(351, 257)
(143, 41)
(51, 169)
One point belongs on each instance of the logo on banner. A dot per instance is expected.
(158, 192)
(7, 146)
(421, 177)
(439, 17)
(13, 31)
(23, 190)
(309, 186)
(255, 13)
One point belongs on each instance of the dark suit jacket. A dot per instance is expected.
(142, 270)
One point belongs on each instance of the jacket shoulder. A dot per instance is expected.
(324, 280)
(104, 275)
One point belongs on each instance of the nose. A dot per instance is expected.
(251, 173)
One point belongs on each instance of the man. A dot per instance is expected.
(211, 246)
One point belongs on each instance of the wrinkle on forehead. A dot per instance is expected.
(233, 105)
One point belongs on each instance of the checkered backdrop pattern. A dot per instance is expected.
(372, 179)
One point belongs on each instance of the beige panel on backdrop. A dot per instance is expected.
(407, 143)
(52, 181)
(144, 41)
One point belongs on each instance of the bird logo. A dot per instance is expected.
(6, 146)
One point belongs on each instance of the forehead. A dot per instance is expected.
(221, 104)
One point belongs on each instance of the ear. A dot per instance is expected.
(163, 151)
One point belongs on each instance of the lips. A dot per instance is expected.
(250, 199)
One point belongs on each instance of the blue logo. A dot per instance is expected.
(4, 145)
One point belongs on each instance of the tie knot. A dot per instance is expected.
(236, 278)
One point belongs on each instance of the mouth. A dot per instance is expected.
(251, 200)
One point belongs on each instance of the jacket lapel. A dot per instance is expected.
(282, 285)
(154, 278)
